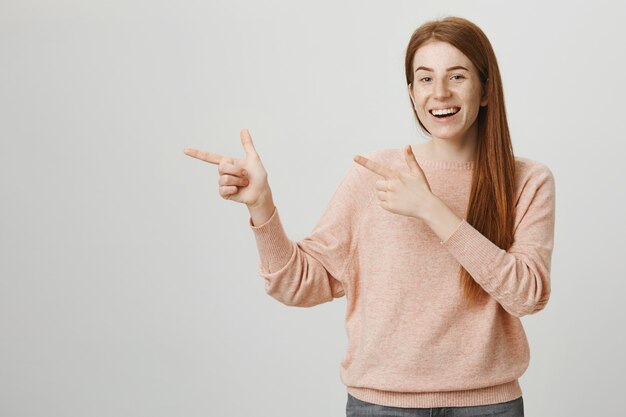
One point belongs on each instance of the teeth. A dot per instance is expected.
(444, 111)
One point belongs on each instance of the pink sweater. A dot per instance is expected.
(410, 343)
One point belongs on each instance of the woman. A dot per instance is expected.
(439, 247)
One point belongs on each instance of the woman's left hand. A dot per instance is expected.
(405, 193)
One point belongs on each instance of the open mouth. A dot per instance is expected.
(445, 114)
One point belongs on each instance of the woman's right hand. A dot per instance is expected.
(241, 180)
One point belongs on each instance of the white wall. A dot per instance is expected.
(129, 287)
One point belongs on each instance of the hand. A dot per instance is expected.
(405, 193)
(241, 180)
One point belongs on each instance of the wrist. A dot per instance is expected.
(265, 199)
(261, 210)
(431, 206)
(440, 218)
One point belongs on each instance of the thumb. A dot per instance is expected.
(246, 141)
(410, 160)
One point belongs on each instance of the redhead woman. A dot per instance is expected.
(439, 248)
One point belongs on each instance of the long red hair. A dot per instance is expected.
(491, 204)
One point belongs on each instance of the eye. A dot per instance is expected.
(456, 75)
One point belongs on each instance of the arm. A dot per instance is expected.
(519, 278)
(310, 271)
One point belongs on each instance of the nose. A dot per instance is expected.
(441, 88)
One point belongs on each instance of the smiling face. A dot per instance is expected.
(444, 78)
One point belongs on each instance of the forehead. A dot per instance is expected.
(439, 56)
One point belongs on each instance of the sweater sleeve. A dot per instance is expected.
(519, 279)
(310, 271)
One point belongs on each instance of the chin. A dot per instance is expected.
(446, 133)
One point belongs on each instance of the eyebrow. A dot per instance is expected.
(449, 69)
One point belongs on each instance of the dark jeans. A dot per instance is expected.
(358, 408)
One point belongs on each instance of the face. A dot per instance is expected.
(437, 85)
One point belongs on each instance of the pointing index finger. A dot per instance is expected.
(211, 157)
(373, 166)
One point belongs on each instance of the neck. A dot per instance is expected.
(461, 149)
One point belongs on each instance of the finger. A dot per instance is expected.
(246, 141)
(227, 190)
(414, 166)
(232, 180)
(227, 167)
(211, 157)
(374, 167)
(382, 185)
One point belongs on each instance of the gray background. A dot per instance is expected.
(129, 287)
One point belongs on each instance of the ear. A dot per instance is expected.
(485, 96)
(411, 94)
